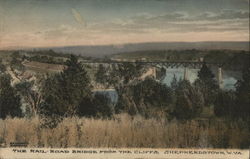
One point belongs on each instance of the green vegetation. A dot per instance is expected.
(147, 98)
(98, 105)
(63, 92)
(101, 76)
(243, 93)
(9, 100)
(225, 104)
(69, 94)
(189, 101)
(31, 97)
(207, 84)
(2, 67)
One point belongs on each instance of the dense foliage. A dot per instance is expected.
(144, 97)
(189, 101)
(63, 92)
(70, 93)
(207, 84)
(243, 93)
(9, 100)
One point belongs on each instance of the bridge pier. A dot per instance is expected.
(220, 80)
(185, 74)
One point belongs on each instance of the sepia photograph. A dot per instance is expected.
(124, 79)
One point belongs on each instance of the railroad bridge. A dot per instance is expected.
(167, 64)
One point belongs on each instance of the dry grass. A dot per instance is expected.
(123, 131)
(39, 66)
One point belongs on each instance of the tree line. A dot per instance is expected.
(69, 93)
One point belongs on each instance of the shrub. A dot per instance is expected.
(9, 100)
(224, 105)
(189, 101)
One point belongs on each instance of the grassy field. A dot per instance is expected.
(125, 131)
(38, 66)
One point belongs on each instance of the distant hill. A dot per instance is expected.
(106, 50)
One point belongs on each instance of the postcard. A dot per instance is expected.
(124, 79)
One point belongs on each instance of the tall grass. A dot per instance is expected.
(124, 131)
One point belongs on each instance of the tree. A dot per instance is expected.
(121, 77)
(174, 83)
(189, 101)
(30, 96)
(102, 105)
(63, 92)
(161, 73)
(145, 96)
(16, 64)
(75, 83)
(243, 93)
(126, 102)
(2, 67)
(125, 73)
(153, 93)
(207, 84)
(16, 54)
(101, 76)
(205, 74)
(53, 101)
(9, 100)
(224, 105)
(97, 106)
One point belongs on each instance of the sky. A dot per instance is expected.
(42, 23)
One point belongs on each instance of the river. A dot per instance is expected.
(229, 79)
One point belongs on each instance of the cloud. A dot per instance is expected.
(182, 20)
(223, 15)
(225, 20)
(184, 16)
(58, 32)
(78, 17)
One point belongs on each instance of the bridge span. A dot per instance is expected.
(167, 64)
(190, 64)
